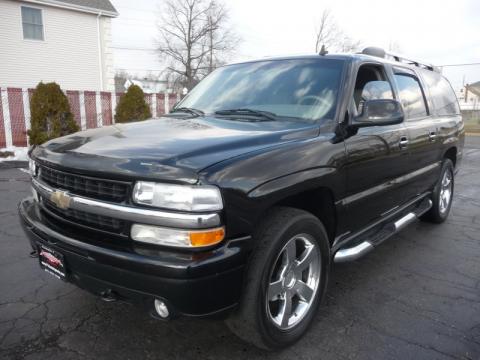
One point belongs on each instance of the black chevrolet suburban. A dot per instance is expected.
(238, 202)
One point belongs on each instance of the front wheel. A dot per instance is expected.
(285, 281)
(442, 195)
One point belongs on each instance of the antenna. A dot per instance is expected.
(323, 51)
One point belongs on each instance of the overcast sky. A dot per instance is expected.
(439, 32)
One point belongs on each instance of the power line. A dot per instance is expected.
(135, 9)
(467, 64)
(140, 69)
(133, 48)
(149, 26)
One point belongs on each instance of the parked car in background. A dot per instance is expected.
(238, 202)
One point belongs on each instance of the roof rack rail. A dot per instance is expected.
(379, 52)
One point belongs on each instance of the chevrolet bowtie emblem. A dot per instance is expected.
(61, 199)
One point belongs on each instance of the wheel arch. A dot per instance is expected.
(451, 154)
(312, 190)
(319, 202)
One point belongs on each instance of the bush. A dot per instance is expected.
(50, 114)
(132, 106)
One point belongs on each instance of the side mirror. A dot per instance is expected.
(379, 112)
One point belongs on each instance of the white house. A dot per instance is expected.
(66, 41)
(150, 86)
(469, 96)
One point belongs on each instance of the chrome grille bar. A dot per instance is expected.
(133, 214)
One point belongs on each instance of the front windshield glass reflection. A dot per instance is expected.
(303, 89)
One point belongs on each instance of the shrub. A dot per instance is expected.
(132, 106)
(50, 114)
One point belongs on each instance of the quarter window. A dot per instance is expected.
(443, 96)
(411, 96)
(32, 23)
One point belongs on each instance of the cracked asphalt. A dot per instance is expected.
(416, 297)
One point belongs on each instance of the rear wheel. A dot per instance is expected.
(442, 195)
(285, 281)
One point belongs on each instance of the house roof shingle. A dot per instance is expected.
(97, 6)
(104, 5)
(475, 88)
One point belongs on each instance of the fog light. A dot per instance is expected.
(161, 308)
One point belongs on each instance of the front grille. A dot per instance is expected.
(100, 222)
(107, 190)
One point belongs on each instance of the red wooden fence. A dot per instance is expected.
(90, 109)
(3, 142)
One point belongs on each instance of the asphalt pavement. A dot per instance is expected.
(416, 297)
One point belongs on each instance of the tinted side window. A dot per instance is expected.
(411, 96)
(443, 96)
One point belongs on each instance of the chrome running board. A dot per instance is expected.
(381, 234)
(353, 253)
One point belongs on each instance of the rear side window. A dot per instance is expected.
(443, 96)
(411, 95)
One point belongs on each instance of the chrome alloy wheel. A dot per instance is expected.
(293, 281)
(445, 192)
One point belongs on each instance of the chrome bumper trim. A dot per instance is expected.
(129, 213)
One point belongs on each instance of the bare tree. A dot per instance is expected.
(330, 36)
(221, 38)
(120, 78)
(394, 46)
(194, 38)
(327, 31)
(347, 44)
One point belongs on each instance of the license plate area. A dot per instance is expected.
(52, 262)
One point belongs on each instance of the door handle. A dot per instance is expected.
(432, 135)
(403, 142)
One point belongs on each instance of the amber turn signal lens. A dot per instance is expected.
(207, 237)
(176, 237)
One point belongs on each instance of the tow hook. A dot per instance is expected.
(108, 295)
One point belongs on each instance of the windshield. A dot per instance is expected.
(304, 89)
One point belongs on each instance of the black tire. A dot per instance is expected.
(437, 214)
(251, 321)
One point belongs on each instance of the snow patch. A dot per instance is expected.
(20, 153)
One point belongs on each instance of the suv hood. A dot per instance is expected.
(168, 148)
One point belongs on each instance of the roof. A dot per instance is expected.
(103, 7)
(339, 56)
(475, 88)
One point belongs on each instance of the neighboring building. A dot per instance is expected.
(469, 96)
(66, 41)
(149, 86)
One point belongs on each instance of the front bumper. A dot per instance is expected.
(192, 284)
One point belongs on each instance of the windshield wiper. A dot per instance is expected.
(251, 112)
(188, 110)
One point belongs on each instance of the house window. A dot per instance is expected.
(32, 23)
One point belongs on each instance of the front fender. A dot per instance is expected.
(292, 184)
(256, 181)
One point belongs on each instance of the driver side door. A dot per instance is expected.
(376, 155)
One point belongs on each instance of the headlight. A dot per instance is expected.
(32, 167)
(175, 237)
(178, 197)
